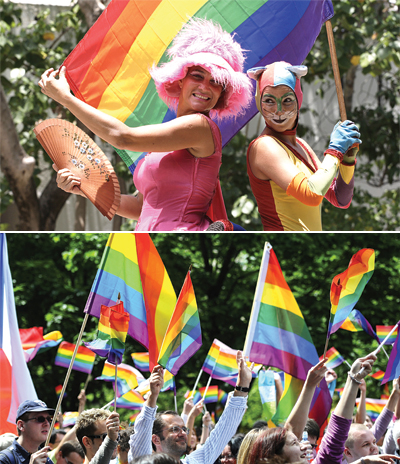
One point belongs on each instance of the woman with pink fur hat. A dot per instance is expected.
(178, 178)
(286, 177)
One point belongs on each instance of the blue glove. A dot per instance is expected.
(344, 136)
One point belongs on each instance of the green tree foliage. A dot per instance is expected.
(53, 274)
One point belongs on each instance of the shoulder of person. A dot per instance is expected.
(267, 146)
(7, 455)
(196, 120)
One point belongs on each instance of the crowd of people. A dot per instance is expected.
(178, 180)
(166, 437)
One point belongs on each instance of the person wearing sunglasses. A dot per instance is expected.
(33, 424)
(97, 431)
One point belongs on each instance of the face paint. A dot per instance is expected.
(279, 107)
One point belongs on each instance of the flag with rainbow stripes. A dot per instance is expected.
(84, 359)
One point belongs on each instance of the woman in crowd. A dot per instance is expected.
(286, 177)
(178, 178)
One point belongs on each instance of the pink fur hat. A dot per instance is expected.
(204, 43)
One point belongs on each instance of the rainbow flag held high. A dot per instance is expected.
(34, 342)
(130, 400)
(58, 389)
(84, 358)
(69, 418)
(183, 336)
(374, 407)
(128, 377)
(194, 394)
(111, 334)
(382, 331)
(222, 396)
(347, 287)
(220, 363)
(278, 335)
(378, 375)
(211, 395)
(132, 267)
(356, 322)
(393, 365)
(108, 68)
(141, 361)
(169, 384)
(334, 358)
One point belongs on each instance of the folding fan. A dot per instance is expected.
(70, 147)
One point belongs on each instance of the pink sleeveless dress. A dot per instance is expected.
(178, 188)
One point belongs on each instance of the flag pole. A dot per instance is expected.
(195, 384)
(257, 300)
(66, 379)
(87, 381)
(336, 73)
(376, 351)
(115, 387)
(175, 403)
(205, 393)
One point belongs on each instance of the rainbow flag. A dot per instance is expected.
(393, 365)
(356, 322)
(385, 395)
(183, 336)
(220, 363)
(211, 395)
(69, 418)
(267, 390)
(127, 377)
(378, 375)
(382, 331)
(141, 361)
(108, 68)
(222, 396)
(34, 342)
(58, 389)
(195, 395)
(278, 335)
(132, 266)
(84, 358)
(374, 407)
(133, 417)
(334, 358)
(347, 287)
(130, 400)
(339, 391)
(111, 334)
(169, 384)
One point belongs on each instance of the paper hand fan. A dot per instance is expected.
(71, 148)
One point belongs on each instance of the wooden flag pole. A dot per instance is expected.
(336, 73)
(89, 377)
(66, 379)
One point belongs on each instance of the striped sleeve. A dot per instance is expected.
(140, 441)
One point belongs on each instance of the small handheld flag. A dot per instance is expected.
(84, 358)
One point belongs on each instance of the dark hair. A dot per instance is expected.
(269, 443)
(71, 447)
(259, 424)
(125, 435)
(234, 443)
(312, 428)
(53, 436)
(155, 458)
(159, 424)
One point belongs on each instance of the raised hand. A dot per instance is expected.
(112, 424)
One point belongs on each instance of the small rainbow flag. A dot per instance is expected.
(34, 342)
(378, 375)
(211, 396)
(111, 334)
(385, 395)
(347, 287)
(69, 418)
(393, 365)
(194, 394)
(334, 358)
(356, 322)
(374, 407)
(84, 358)
(141, 361)
(220, 363)
(183, 336)
(222, 396)
(169, 384)
(133, 417)
(132, 267)
(127, 377)
(383, 331)
(130, 400)
(108, 68)
(339, 391)
(58, 389)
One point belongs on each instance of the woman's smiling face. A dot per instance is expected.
(279, 107)
(199, 91)
(293, 450)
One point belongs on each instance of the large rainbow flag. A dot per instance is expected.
(34, 342)
(108, 69)
(347, 287)
(127, 377)
(183, 336)
(84, 358)
(278, 335)
(111, 333)
(132, 267)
